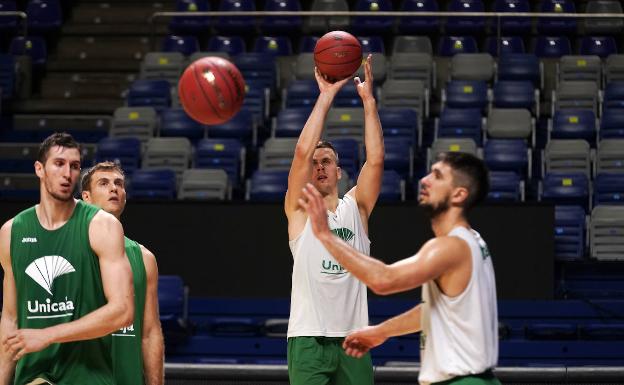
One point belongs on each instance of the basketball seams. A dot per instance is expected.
(337, 46)
(206, 96)
(232, 94)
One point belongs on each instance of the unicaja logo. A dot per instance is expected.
(46, 269)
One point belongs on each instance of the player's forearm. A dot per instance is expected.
(153, 356)
(7, 365)
(372, 272)
(406, 323)
(373, 135)
(313, 128)
(98, 323)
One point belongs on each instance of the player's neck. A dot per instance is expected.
(443, 223)
(331, 202)
(53, 213)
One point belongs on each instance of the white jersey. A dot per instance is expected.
(460, 334)
(326, 299)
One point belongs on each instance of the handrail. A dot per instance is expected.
(21, 15)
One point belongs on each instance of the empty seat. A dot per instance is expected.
(505, 186)
(163, 65)
(520, 67)
(277, 154)
(34, 46)
(259, 67)
(290, 121)
(565, 189)
(273, 45)
(321, 25)
(451, 45)
(609, 189)
(347, 96)
(576, 95)
(412, 44)
(412, 66)
(257, 98)
(405, 94)
(614, 68)
(613, 97)
(124, 151)
(419, 25)
(552, 331)
(509, 123)
(603, 26)
(392, 187)
(20, 186)
(440, 145)
(472, 66)
(401, 123)
(7, 76)
(304, 66)
(186, 45)
(607, 232)
(268, 186)
(399, 157)
(602, 46)
(610, 156)
(573, 124)
(307, 43)
(460, 123)
(577, 67)
(153, 184)
(567, 155)
(281, 24)
(169, 153)
(504, 46)
(569, 232)
(508, 155)
(138, 122)
(372, 44)
(174, 122)
(469, 24)
(241, 126)
(232, 45)
(348, 154)
(237, 25)
(465, 94)
(204, 184)
(150, 93)
(301, 94)
(192, 24)
(557, 25)
(514, 25)
(372, 24)
(225, 154)
(612, 124)
(18, 157)
(8, 24)
(44, 16)
(552, 47)
(345, 123)
(516, 94)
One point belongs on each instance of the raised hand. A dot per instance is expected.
(325, 85)
(365, 88)
(361, 341)
(313, 203)
(24, 341)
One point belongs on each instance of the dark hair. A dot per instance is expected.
(326, 144)
(469, 172)
(85, 185)
(61, 139)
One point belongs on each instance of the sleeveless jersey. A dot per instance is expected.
(460, 334)
(127, 342)
(57, 277)
(326, 300)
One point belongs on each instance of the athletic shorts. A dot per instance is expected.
(485, 378)
(322, 361)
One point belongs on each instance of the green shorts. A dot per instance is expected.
(485, 378)
(322, 361)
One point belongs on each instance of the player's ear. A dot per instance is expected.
(339, 172)
(86, 196)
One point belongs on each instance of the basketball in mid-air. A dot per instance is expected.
(338, 55)
(211, 90)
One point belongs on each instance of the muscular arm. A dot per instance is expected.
(8, 321)
(152, 339)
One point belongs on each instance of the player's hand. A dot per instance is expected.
(361, 341)
(365, 88)
(325, 85)
(312, 202)
(24, 341)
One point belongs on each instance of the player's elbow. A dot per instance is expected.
(383, 283)
(123, 314)
(127, 313)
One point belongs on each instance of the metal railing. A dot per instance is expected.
(22, 15)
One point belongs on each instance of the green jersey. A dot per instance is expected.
(57, 278)
(127, 352)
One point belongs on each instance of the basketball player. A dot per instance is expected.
(327, 301)
(67, 282)
(135, 360)
(457, 317)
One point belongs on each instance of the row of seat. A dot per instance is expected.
(44, 17)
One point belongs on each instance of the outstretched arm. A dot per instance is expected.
(107, 241)
(152, 339)
(368, 184)
(436, 257)
(8, 322)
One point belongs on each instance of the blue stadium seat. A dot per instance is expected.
(7, 75)
(514, 94)
(175, 122)
(190, 25)
(301, 93)
(612, 123)
(256, 99)
(222, 154)
(241, 126)
(284, 24)
(152, 184)
(507, 155)
(514, 25)
(232, 45)
(234, 327)
(236, 25)
(614, 95)
(268, 186)
(33, 46)
(152, 93)
(505, 186)
(554, 25)
(569, 232)
(348, 96)
(173, 306)
(552, 47)
(400, 123)
(372, 44)
(307, 43)
(44, 16)
(552, 331)
(603, 331)
(349, 156)
(391, 187)
(609, 189)
(372, 24)
(450, 45)
(466, 94)
(123, 150)
(259, 67)
(419, 25)
(599, 46)
(566, 189)
(276, 46)
(290, 122)
(463, 25)
(519, 67)
(8, 24)
(574, 124)
(186, 45)
(460, 123)
(398, 157)
(508, 45)
(17, 157)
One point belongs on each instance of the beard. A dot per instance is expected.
(434, 210)
(58, 196)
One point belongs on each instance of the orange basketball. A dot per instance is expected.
(211, 90)
(338, 55)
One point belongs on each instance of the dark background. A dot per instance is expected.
(241, 249)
